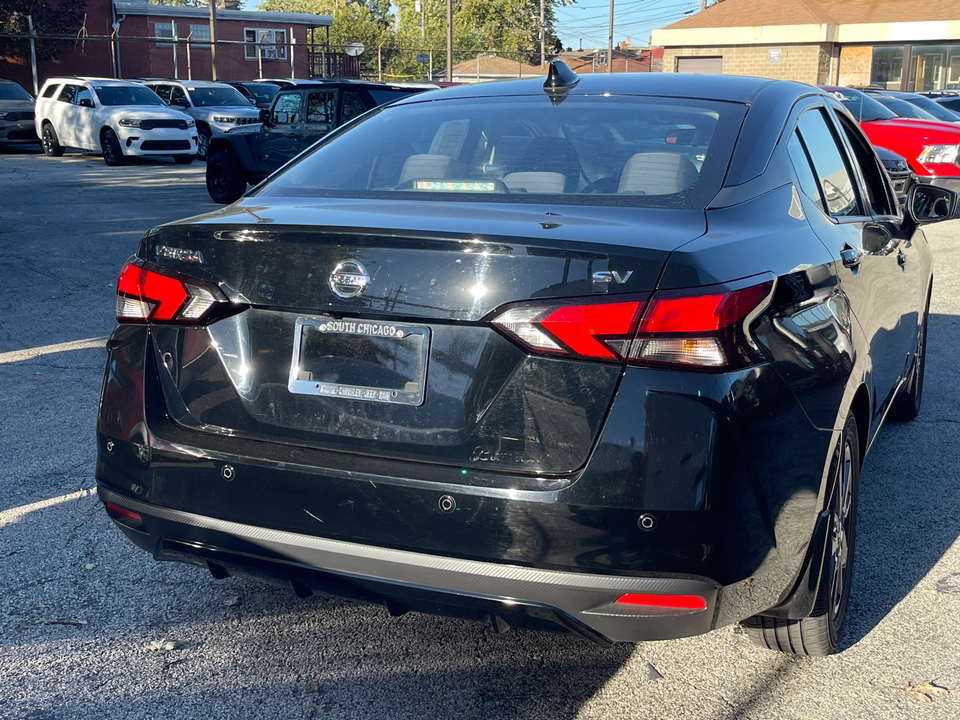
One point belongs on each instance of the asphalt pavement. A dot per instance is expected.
(91, 627)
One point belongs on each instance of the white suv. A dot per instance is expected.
(215, 106)
(115, 117)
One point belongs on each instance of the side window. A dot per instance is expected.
(286, 109)
(352, 106)
(162, 90)
(320, 108)
(801, 162)
(84, 97)
(177, 93)
(833, 175)
(51, 90)
(880, 196)
(68, 93)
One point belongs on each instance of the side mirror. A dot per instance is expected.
(86, 102)
(182, 102)
(264, 114)
(930, 204)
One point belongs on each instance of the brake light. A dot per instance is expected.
(596, 331)
(699, 330)
(702, 329)
(150, 293)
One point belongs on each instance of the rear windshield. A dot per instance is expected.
(863, 107)
(932, 107)
(216, 96)
(656, 152)
(263, 92)
(905, 109)
(127, 95)
(10, 91)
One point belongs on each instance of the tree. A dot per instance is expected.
(64, 18)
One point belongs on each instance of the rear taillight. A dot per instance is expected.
(595, 331)
(702, 329)
(150, 293)
(706, 329)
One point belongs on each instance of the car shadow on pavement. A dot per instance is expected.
(909, 495)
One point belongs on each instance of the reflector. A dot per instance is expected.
(679, 602)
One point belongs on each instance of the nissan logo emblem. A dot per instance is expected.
(349, 279)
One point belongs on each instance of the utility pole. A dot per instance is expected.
(449, 40)
(610, 41)
(213, 39)
(543, 34)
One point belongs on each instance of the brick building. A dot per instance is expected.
(169, 41)
(898, 44)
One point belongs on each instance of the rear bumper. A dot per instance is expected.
(580, 602)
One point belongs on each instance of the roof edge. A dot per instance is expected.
(142, 8)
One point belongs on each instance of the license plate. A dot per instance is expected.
(360, 360)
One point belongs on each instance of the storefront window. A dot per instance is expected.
(928, 68)
(953, 68)
(887, 67)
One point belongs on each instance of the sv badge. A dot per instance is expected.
(607, 277)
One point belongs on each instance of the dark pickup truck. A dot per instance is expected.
(302, 113)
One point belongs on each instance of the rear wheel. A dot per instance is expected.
(225, 179)
(50, 141)
(821, 632)
(183, 159)
(906, 405)
(110, 146)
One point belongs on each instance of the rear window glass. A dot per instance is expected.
(863, 107)
(655, 152)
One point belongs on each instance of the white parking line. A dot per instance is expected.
(28, 353)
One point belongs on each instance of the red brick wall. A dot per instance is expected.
(141, 58)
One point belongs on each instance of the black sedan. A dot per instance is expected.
(601, 355)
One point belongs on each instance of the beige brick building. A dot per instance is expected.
(909, 45)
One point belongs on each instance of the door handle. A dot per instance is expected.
(850, 257)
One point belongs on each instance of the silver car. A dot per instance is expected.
(17, 125)
(216, 107)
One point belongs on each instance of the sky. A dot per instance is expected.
(588, 21)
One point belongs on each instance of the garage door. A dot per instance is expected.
(712, 65)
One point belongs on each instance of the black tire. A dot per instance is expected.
(821, 632)
(50, 141)
(906, 405)
(183, 159)
(203, 142)
(110, 146)
(225, 179)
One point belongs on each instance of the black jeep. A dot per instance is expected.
(301, 113)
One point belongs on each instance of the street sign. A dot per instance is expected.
(354, 49)
(423, 58)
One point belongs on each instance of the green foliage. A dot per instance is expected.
(62, 18)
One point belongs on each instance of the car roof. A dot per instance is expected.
(731, 88)
(96, 81)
